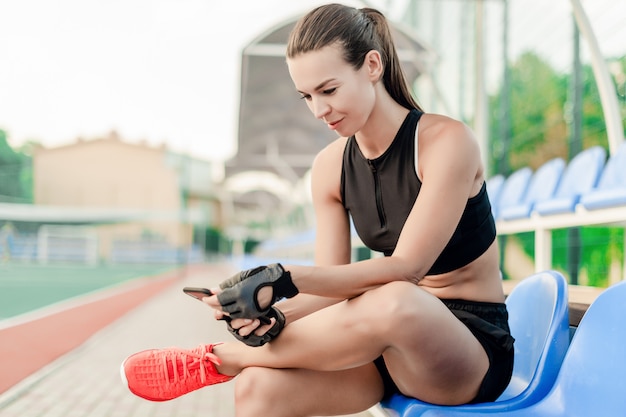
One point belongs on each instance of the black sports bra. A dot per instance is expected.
(379, 194)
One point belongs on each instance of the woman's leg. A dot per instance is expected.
(301, 392)
(430, 354)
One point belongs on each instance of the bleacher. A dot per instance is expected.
(590, 190)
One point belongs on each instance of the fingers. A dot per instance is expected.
(246, 327)
(265, 327)
(213, 301)
(220, 315)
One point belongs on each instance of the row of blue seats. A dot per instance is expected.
(589, 179)
(553, 376)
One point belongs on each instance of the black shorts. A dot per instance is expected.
(488, 322)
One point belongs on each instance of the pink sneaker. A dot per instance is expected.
(164, 374)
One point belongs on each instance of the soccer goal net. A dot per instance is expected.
(74, 244)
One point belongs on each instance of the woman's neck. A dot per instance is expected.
(381, 127)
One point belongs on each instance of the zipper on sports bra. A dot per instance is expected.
(379, 195)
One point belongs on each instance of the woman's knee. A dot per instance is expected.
(393, 305)
(269, 392)
(254, 390)
(254, 383)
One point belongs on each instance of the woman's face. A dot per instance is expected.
(335, 92)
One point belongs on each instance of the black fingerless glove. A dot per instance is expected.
(239, 295)
(256, 341)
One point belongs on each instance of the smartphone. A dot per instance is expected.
(197, 292)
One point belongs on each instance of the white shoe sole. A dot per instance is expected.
(123, 374)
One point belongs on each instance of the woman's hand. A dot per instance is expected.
(253, 332)
(242, 294)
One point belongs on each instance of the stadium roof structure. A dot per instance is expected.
(276, 131)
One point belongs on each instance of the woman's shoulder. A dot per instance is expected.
(445, 134)
(444, 138)
(432, 124)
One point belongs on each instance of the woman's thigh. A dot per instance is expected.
(430, 354)
(302, 392)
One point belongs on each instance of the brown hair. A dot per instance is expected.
(358, 31)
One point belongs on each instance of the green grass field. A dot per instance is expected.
(26, 287)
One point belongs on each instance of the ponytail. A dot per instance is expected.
(393, 77)
(358, 31)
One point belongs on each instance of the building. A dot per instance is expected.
(133, 195)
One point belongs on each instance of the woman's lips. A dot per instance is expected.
(333, 125)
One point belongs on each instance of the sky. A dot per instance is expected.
(153, 70)
(160, 71)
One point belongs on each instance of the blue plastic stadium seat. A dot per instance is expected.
(494, 187)
(513, 190)
(543, 185)
(591, 380)
(581, 175)
(611, 189)
(539, 322)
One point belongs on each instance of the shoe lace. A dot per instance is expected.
(198, 358)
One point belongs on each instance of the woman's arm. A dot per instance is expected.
(302, 305)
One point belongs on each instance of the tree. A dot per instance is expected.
(538, 129)
(10, 171)
(16, 172)
(25, 153)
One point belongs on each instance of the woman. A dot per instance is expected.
(426, 320)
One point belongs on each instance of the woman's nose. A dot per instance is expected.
(320, 108)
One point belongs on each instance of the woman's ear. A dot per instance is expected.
(374, 64)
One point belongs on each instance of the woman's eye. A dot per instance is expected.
(327, 92)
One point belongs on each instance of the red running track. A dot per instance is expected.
(27, 347)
